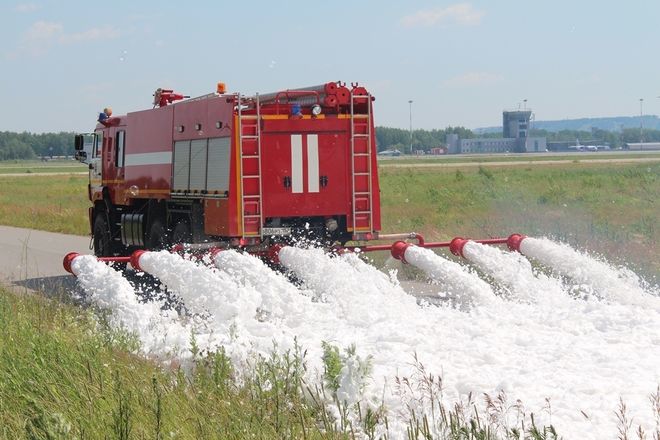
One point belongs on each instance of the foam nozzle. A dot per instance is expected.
(274, 253)
(213, 252)
(68, 261)
(514, 240)
(399, 250)
(456, 246)
(135, 259)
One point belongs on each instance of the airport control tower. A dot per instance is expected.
(515, 124)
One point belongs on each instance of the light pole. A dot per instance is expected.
(641, 123)
(411, 139)
(525, 104)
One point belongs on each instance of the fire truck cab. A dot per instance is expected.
(235, 171)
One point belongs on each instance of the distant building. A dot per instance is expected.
(438, 150)
(515, 132)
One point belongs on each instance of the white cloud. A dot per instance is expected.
(42, 35)
(106, 32)
(472, 79)
(26, 7)
(43, 30)
(459, 13)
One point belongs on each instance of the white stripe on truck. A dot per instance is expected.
(296, 163)
(313, 163)
(158, 158)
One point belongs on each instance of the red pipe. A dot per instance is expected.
(213, 252)
(514, 240)
(68, 260)
(492, 241)
(274, 253)
(387, 247)
(135, 259)
(114, 259)
(398, 250)
(456, 246)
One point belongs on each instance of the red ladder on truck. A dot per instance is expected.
(361, 166)
(249, 133)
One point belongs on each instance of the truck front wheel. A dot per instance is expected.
(102, 238)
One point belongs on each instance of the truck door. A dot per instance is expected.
(113, 158)
(95, 165)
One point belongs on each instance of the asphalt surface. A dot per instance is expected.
(33, 259)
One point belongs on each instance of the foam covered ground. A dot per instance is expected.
(568, 341)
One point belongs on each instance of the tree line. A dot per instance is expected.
(388, 138)
(399, 139)
(32, 145)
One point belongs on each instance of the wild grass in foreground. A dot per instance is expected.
(65, 375)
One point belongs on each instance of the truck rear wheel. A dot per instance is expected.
(157, 239)
(102, 238)
(181, 233)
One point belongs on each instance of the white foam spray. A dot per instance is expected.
(161, 333)
(581, 355)
(232, 311)
(590, 275)
(513, 271)
(463, 287)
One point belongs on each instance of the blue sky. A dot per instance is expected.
(461, 63)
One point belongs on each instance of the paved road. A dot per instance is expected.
(33, 259)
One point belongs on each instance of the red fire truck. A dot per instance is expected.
(235, 171)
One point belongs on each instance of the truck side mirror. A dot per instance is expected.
(79, 142)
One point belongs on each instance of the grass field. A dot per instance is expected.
(488, 158)
(608, 208)
(38, 166)
(50, 203)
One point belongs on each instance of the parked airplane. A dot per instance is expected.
(390, 153)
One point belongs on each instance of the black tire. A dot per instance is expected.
(157, 238)
(181, 233)
(102, 237)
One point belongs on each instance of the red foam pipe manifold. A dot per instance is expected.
(514, 240)
(135, 259)
(399, 250)
(68, 260)
(456, 246)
